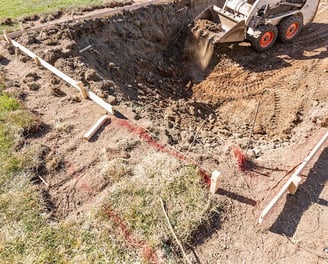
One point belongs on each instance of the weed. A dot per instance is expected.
(14, 120)
(55, 163)
(24, 235)
(116, 169)
(64, 127)
(7, 104)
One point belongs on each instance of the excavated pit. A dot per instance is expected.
(138, 59)
(134, 58)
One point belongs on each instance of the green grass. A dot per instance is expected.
(181, 187)
(26, 237)
(14, 120)
(25, 234)
(21, 8)
(17, 9)
(186, 199)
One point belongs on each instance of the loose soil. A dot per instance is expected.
(138, 62)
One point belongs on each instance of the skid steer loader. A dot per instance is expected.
(260, 22)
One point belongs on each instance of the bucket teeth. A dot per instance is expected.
(205, 34)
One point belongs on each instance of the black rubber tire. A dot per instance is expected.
(257, 38)
(284, 28)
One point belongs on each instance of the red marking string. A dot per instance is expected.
(143, 134)
(148, 252)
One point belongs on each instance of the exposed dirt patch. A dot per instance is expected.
(137, 61)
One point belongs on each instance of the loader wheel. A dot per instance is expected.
(289, 28)
(264, 37)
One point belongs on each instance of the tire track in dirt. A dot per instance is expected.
(231, 81)
(276, 110)
(235, 82)
(292, 77)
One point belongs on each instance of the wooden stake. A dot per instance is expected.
(87, 136)
(293, 186)
(281, 193)
(7, 38)
(21, 26)
(215, 181)
(16, 53)
(37, 61)
(83, 91)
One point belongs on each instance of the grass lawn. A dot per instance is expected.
(128, 226)
(17, 9)
(20, 8)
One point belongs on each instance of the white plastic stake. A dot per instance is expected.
(87, 136)
(215, 181)
(75, 84)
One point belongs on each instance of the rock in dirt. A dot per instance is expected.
(105, 88)
(324, 122)
(257, 152)
(39, 165)
(31, 77)
(55, 81)
(112, 100)
(51, 56)
(6, 21)
(51, 42)
(33, 86)
(30, 18)
(91, 75)
(28, 39)
(24, 58)
(11, 49)
(57, 92)
(74, 99)
(186, 137)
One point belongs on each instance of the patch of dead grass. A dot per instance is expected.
(136, 200)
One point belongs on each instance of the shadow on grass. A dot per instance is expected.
(208, 227)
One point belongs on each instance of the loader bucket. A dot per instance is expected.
(218, 26)
(208, 14)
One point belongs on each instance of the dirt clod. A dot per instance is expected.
(33, 86)
(91, 75)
